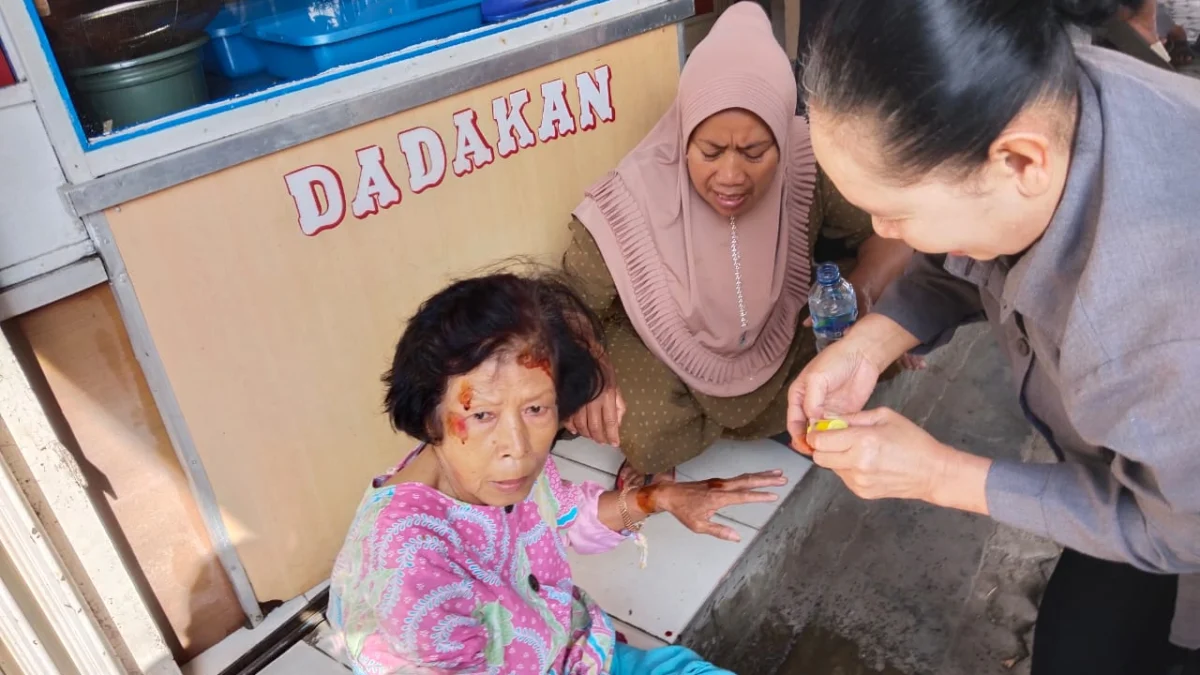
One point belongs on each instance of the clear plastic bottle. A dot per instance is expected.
(832, 304)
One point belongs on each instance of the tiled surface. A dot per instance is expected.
(303, 659)
(589, 453)
(725, 459)
(729, 459)
(636, 637)
(683, 570)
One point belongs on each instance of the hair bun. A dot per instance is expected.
(1089, 12)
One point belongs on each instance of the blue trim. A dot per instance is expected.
(569, 517)
(56, 72)
(219, 107)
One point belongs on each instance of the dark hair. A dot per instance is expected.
(943, 78)
(472, 320)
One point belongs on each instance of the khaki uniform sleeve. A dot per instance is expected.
(838, 219)
(587, 272)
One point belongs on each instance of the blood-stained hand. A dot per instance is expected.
(694, 504)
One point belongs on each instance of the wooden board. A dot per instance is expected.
(274, 341)
(89, 365)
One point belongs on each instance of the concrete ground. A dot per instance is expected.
(842, 586)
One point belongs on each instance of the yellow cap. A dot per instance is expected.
(827, 425)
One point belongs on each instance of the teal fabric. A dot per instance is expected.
(662, 661)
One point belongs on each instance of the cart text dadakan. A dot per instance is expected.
(320, 194)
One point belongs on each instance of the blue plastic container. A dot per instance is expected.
(495, 11)
(304, 43)
(228, 52)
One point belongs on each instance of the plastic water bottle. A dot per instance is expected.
(832, 304)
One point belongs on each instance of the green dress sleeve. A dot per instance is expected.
(587, 273)
(840, 222)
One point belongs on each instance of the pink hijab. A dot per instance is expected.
(669, 252)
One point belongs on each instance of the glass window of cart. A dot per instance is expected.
(127, 62)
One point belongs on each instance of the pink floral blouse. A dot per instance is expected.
(425, 583)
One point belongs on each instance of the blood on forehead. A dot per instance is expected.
(465, 395)
(536, 361)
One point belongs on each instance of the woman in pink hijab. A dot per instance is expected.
(697, 253)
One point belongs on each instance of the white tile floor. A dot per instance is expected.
(683, 568)
(649, 606)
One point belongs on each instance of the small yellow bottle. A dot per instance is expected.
(827, 425)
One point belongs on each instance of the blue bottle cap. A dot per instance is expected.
(828, 274)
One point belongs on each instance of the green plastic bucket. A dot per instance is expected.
(121, 94)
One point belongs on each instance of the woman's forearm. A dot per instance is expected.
(963, 483)
(880, 262)
(640, 504)
(880, 340)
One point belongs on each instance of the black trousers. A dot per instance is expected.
(1104, 618)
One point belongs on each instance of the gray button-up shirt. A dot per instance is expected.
(1097, 321)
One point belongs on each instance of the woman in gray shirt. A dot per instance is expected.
(1053, 192)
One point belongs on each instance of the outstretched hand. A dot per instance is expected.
(694, 504)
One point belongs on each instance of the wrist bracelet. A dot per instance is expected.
(623, 505)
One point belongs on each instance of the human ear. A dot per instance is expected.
(1025, 157)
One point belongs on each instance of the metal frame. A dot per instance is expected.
(22, 36)
(160, 174)
(172, 415)
(51, 287)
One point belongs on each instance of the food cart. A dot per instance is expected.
(217, 237)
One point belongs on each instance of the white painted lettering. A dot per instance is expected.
(320, 201)
(376, 189)
(471, 151)
(556, 113)
(509, 114)
(595, 98)
(426, 157)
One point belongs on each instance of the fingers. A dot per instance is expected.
(837, 440)
(611, 418)
(582, 422)
(797, 421)
(807, 322)
(714, 530)
(813, 403)
(620, 406)
(728, 499)
(595, 420)
(748, 481)
(836, 461)
(869, 418)
(569, 425)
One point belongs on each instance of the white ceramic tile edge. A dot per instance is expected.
(591, 454)
(637, 637)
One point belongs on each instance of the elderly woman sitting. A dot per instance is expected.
(456, 560)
